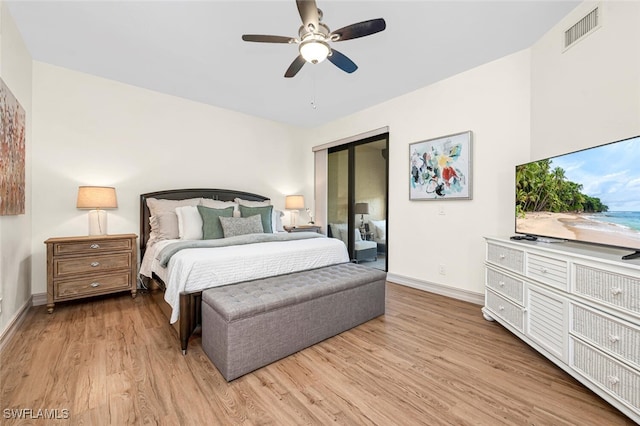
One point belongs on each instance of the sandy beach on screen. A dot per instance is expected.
(577, 227)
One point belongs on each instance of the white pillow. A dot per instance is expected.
(339, 230)
(189, 223)
(276, 221)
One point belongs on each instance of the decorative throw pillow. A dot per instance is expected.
(217, 204)
(160, 205)
(165, 225)
(248, 203)
(189, 223)
(211, 227)
(232, 226)
(265, 213)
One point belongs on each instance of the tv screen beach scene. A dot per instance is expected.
(591, 195)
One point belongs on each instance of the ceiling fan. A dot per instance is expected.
(314, 37)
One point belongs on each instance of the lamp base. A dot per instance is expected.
(97, 222)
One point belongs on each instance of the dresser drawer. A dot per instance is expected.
(505, 309)
(505, 285)
(91, 246)
(607, 333)
(547, 270)
(614, 289)
(506, 257)
(81, 287)
(609, 374)
(89, 264)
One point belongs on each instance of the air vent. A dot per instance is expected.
(582, 28)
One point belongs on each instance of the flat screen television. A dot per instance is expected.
(591, 196)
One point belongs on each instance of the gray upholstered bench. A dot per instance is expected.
(248, 325)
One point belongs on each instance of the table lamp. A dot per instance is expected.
(97, 198)
(295, 203)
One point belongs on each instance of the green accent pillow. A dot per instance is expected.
(264, 212)
(211, 227)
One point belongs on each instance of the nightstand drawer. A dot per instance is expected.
(92, 286)
(89, 264)
(91, 246)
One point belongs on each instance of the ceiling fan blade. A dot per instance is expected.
(267, 38)
(360, 29)
(308, 12)
(295, 67)
(342, 62)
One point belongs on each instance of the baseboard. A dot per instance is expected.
(456, 293)
(15, 322)
(39, 299)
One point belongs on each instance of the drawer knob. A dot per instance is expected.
(502, 257)
(613, 338)
(613, 380)
(94, 246)
(616, 291)
(501, 283)
(94, 285)
(544, 270)
(501, 308)
(94, 264)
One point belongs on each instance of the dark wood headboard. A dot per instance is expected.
(182, 194)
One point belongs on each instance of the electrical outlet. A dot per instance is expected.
(442, 270)
(441, 211)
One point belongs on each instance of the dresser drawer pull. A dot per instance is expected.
(614, 339)
(94, 264)
(501, 283)
(95, 285)
(502, 256)
(501, 308)
(94, 246)
(544, 270)
(613, 380)
(616, 291)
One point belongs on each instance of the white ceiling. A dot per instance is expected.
(193, 49)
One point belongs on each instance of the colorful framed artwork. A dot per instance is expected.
(12, 153)
(440, 168)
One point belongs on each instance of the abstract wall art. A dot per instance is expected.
(12, 153)
(440, 169)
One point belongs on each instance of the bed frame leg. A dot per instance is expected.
(186, 318)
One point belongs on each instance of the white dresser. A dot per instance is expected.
(577, 304)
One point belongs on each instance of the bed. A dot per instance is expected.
(200, 263)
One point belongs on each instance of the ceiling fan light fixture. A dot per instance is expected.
(314, 51)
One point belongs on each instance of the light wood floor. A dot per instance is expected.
(429, 360)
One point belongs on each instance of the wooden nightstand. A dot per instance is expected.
(303, 228)
(79, 267)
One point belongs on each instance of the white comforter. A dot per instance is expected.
(197, 269)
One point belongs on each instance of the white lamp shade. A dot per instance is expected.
(294, 202)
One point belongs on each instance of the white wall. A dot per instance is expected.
(92, 131)
(15, 231)
(589, 94)
(493, 102)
